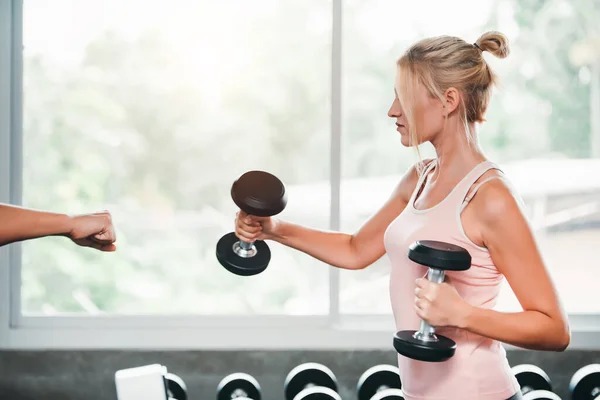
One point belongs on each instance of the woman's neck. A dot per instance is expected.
(456, 153)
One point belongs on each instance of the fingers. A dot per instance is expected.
(425, 290)
(419, 303)
(245, 236)
(422, 303)
(107, 235)
(249, 219)
(421, 282)
(249, 227)
(420, 310)
(110, 247)
(246, 228)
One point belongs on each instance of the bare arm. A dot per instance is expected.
(350, 251)
(542, 325)
(90, 230)
(20, 224)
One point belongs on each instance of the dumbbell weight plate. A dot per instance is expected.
(585, 383)
(375, 378)
(541, 395)
(259, 193)
(176, 388)
(242, 266)
(439, 255)
(238, 385)
(389, 394)
(308, 374)
(409, 346)
(531, 377)
(318, 393)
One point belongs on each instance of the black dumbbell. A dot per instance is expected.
(260, 194)
(585, 383)
(424, 344)
(176, 388)
(381, 382)
(311, 381)
(535, 382)
(239, 386)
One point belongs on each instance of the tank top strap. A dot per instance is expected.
(422, 179)
(464, 186)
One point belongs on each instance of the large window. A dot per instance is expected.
(151, 110)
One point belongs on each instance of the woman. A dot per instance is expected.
(88, 230)
(443, 88)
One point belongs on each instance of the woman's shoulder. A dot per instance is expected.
(496, 198)
(405, 188)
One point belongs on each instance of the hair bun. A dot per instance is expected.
(495, 43)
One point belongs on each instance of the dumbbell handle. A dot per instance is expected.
(244, 249)
(426, 331)
(239, 394)
(246, 245)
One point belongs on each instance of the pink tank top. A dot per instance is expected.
(479, 370)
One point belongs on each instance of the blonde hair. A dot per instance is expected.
(446, 61)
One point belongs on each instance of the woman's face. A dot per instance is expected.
(427, 115)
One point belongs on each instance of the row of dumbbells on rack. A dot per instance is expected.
(536, 384)
(314, 381)
(308, 381)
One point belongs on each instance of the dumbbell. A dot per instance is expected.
(149, 382)
(424, 344)
(311, 381)
(381, 382)
(239, 386)
(535, 383)
(585, 383)
(260, 194)
(176, 388)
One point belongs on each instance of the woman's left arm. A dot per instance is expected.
(543, 324)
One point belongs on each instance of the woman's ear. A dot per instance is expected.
(452, 97)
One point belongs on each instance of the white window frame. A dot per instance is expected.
(331, 331)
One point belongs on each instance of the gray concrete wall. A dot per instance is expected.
(77, 375)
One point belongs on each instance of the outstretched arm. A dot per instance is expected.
(350, 251)
(91, 230)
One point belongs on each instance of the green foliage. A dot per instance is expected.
(552, 29)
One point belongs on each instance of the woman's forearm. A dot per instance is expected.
(527, 329)
(333, 248)
(18, 224)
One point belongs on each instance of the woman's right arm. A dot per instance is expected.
(341, 250)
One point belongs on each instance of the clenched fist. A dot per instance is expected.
(250, 228)
(93, 230)
(439, 304)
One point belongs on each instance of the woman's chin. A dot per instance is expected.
(404, 140)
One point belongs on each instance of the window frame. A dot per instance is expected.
(330, 331)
